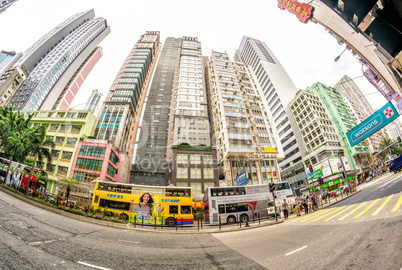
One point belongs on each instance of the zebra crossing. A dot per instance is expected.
(376, 209)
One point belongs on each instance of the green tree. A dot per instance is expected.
(385, 144)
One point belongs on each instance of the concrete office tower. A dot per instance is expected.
(93, 100)
(5, 58)
(121, 111)
(319, 132)
(360, 107)
(192, 160)
(8, 84)
(69, 92)
(50, 75)
(242, 125)
(278, 90)
(149, 159)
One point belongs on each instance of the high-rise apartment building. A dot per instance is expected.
(93, 100)
(361, 108)
(149, 159)
(344, 120)
(55, 58)
(243, 129)
(10, 77)
(278, 90)
(6, 4)
(121, 111)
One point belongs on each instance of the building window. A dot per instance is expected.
(208, 184)
(195, 173)
(55, 153)
(76, 128)
(182, 172)
(89, 164)
(62, 170)
(94, 151)
(181, 184)
(197, 187)
(208, 173)
(67, 155)
(114, 158)
(207, 159)
(54, 127)
(64, 127)
(71, 141)
(111, 170)
(195, 159)
(59, 140)
(182, 158)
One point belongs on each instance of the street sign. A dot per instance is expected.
(372, 124)
(241, 179)
(373, 158)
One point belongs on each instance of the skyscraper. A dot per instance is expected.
(149, 158)
(278, 90)
(49, 76)
(6, 4)
(93, 100)
(243, 129)
(360, 106)
(121, 111)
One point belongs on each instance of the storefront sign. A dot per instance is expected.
(372, 124)
(302, 11)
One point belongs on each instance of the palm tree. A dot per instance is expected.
(37, 175)
(71, 182)
(40, 146)
(386, 142)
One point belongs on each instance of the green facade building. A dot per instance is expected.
(66, 128)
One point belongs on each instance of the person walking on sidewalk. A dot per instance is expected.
(305, 205)
(285, 209)
(297, 207)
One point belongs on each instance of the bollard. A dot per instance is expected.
(135, 222)
(267, 215)
(259, 218)
(220, 224)
(182, 223)
(239, 220)
(155, 223)
(142, 221)
(253, 218)
(201, 222)
(329, 199)
(176, 225)
(342, 195)
(198, 221)
(162, 222)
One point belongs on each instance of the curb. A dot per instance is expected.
(131, 227)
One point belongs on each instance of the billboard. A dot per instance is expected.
(372, 124)
(241, 179)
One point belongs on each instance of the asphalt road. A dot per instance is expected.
(33, 238)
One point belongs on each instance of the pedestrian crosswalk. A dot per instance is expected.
(378, 208)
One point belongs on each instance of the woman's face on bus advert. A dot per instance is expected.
(145, 199)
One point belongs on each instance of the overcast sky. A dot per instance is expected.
(306, 51)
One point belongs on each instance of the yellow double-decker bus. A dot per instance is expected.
(145, 204)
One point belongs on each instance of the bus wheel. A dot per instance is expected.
(123, 217)
(244, 218)
(170, 222)
(231, 220)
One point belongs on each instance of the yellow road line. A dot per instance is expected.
(365, 210)
(339, 213)
(328, 213)
(382, 205)
(397, 205)
(354, 210)
(318, 214)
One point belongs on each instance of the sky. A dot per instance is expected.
(306, 51)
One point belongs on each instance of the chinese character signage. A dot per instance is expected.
(241, 179)
(302, 11)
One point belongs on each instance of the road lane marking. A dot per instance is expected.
(336, 210)
(128, 241)
(397, 205)
(365, 210)
(382, 205)
(294, 251)
(354, 210)
(339, 213)
(93, 266)
(309, 216)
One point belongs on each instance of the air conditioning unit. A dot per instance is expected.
(64, 169)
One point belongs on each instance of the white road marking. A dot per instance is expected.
(93, 266)
(129, 241)
(295, 250)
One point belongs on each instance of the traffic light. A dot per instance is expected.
(271, 187)
(321, 181)
(310, 168)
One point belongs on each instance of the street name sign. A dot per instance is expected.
(241, 179)
(372, 124)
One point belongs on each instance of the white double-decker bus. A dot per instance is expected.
(282, 190)
(234, 204)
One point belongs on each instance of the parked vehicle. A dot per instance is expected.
(396, 165)
(271, 209)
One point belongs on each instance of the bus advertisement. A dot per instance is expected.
(234, 204)
(20, 176)
(159, 205)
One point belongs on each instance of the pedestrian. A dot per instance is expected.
(313, 202)
(306, 204)
(285, 209)
(297, 207)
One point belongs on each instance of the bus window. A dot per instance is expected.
(231, 208)
(242, 190)
(221, 209)
(186, 209)
(173, 209)
(187, 192)
(229, 191)
(114, 205)
(220, 192)
(96, 199)
(214, 192)
(171, 192)
(236, 207)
